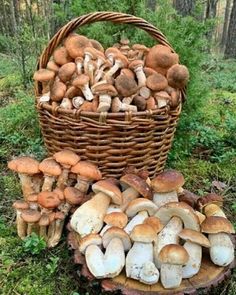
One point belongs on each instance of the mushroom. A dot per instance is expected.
(114, 217)
(87, 218)
(110, 54)
(126, 86)
(31, 217)
(32, 200)
(188, 197)
(165, 187)
(142, 50)
(77, 101)
(116, 241)
(48, 201)
(76, 44)
(51, 170)
(66, 71)
(140, 257)
(209, 199)
(45, 97)
(26, 167)
(61, 56)
(57, 91)
(155, 223)
(173, 257)
(46, 77)
(219, 230)
(54, 239)
(118, 106)
(145, 92)
(194, 243)
(67, 159)
(100, 73)
(66, 103)
(128, 73)
(21, 225)
(137, 67)
(162, 98)
(90, 53)
(43, 225)
(213, 210)
(97, 45)
(79, 65)
(73, 197)
(201, 217)
(128, 100)
(73, 91)
(91, 71)
(52, 66)
(120, 62)
(105, 92)
(140, 103)
(86, 173)
(82, 82)
(128, 195)
(151, 103)
(156, 82)
(178, 76)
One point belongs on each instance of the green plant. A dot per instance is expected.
(35, 245)
(52, 264)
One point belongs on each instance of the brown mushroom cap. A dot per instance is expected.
(118, 219)
(66, 71)
(167, 181)
(66, 157)
(135, 64)
(75, 45)
(20, 205)
(25, 165)
(61, 56)
(59, 193)
(32, 198)
(140, 102)
(43, 75)
(80, 81)
(149, 71)
(151, 103)
(140, 204)
(143, 233)
(97, 45)
(173, 254)
(57, 91)
(52, 66)
(105, 89)
(162, 95)
(73, 196)
(156, 82)
(87, 170)
(108, 188)
(217, 224)
(155, 223)
(138, 184)
(125, 85)
(210, 199)
(178, 76)
(91, 239)
(111, 50)
(116, 232)
(72, 92)
(48, 200)
(122, 60)
(30, 216)
(194, 237)
(92, 52)
(127, 73)
(50, 167)
(44, 220)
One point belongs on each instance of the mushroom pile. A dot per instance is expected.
(51, 189)
(153, 229)
(83, 75)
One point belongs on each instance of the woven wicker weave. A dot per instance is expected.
(113, 141)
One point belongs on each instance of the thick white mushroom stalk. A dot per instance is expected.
(195, 258)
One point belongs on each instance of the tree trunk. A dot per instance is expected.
(211, 8)
(13, 17)
(226, 23)
(230, 49)
(184, 7)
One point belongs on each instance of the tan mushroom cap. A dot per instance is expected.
(173, 254)
(135, 64)
(20, 205)
(105, 89)
(91, 239)
(127, 73)
(178, 76)
(57, 91)
(87, 170)
(24, 165)
(181, 210)
(213, 209)
(92, 52)
(156, 82)
(118, 219)
(66, 71)
(195, 237)
(73, 196)
(44, 220)
(32, 198)
(61, 56)
(111, 50)
(66, 157)
(52, 66)
(125, 85)
(109, 189)
(50, 167)
(43, 75)
(97, 45)
(138, 184)
(48, 200)
(30, 216)
(81, 80)
(59, 193)
(167, 181)
(149, 71)
(140, 204)
(75, 45)
(116, 232)
(122, 59)
(217, 224)
(155, 223)
(143, 233)
(140, 47)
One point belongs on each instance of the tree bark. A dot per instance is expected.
(230, 49)
(211, 8)
(226, 23)
(184, 7)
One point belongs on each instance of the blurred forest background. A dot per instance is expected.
(202, 32)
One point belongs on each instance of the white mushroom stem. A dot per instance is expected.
(48, 183)
(117, 65)
(222, 249)
(87, 58)
(45, 97)
(140, 76)
(128, 100)
(99, 73)
(91, 69)
(95, 261)
(79, 67)
(128, 195)
(171, 275)
(82, 184)
(100, 62)
(105, 228)
(161, 102)
(161, 199)
(66, 103)
(87, 92)
(137, 219)
(149, 273)
(104, 103)
(87, 218)
(21, 225)
(128, 107)
(77, 101)
(194, 263)
(27, 185)
(169, 235)
(55, 238)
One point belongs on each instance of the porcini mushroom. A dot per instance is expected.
(126, 86)
(51, 170)
(105, 92)
(61, 56)
(31, 217)
(82, 82)
(76, 44)
(66, 71)
(194, 243)
(178, 76)
(173, 257)
(213, 210)
(219, 230)
(156, 82)
(21, 225)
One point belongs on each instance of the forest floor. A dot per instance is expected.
(205, 152)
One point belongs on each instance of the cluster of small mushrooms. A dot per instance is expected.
(52, 189)
(151, 228)
(83, 75)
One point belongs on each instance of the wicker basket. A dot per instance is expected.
(113, 141)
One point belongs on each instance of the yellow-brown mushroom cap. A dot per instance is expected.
(156, 82)
(66, 157)
(173, 254)
(50, 167)
(217, 224)
(143, 233)
(87, 170)
(20, 205)
(108, 188)
(25, 165)
(194, 237)
(118, 219)
(30, 216)
(43, 75)
(73, 196)
(138, 184)
(155, 223)
(75, 45)
(48, 200)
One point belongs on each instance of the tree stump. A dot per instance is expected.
(209, 276)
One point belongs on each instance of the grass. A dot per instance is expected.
(204, 150)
